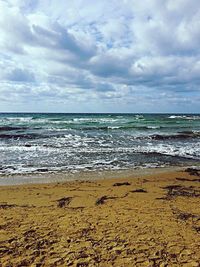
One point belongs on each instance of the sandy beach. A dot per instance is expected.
(99, 133)
(144, 220)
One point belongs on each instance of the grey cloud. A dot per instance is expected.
(20, 75)
(108, 66)
(80, 81)
(19, 33)
(59, 38)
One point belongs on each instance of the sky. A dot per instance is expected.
(100, 56)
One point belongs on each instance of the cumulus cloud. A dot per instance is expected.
(141, 54)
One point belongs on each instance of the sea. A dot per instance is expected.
(51, 143)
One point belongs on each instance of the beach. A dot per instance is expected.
(99, 133)
(150, 218)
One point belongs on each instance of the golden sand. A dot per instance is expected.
(153, 220)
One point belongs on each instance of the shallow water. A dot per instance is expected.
(42, 143)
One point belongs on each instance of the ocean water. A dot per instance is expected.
(40, 143)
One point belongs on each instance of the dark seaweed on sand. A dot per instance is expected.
(102, 200)
(139, 190)
(180, 191)
(192, 171)
(120, 184)
(188, 180)
(63, 202)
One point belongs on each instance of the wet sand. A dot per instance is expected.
(149, 219)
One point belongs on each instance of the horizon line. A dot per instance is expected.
(44, 112)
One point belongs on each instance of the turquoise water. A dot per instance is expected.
(35, 143)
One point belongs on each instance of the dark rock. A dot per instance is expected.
(27, 145)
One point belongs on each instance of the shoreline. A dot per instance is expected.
(62, 177)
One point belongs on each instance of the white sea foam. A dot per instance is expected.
(188, 150)
(17, 119)
(153, 127)
(139, 117)
(186, 117)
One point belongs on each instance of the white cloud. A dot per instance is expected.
(129, 51)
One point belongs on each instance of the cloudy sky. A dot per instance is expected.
(100, 56)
